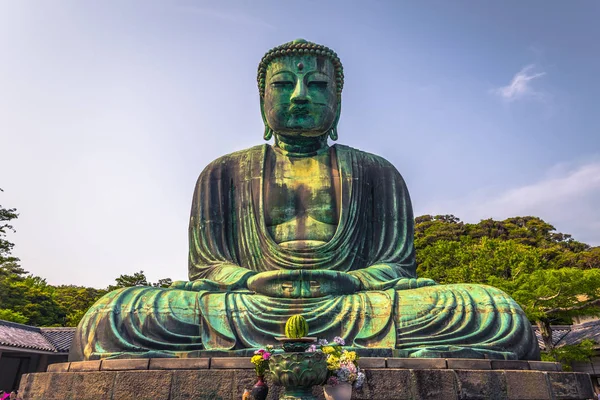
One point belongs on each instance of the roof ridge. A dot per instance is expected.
(57, 328)
(20, 326)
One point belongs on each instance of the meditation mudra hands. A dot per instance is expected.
(300, 284)
(283, 283)
(303, 283)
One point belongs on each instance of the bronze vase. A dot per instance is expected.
(260, 390)
(298, 373)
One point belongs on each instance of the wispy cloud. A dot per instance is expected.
(521, 85)
(567, 197)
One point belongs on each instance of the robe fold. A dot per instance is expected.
(229, 242)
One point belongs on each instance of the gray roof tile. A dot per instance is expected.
(61, 338)
(34, 338)
(558, 332)
(587, 330)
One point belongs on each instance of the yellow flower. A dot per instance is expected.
(257, 359)
(328, 349)
(349, 355)
(333, 362)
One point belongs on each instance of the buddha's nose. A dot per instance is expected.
(300, 93)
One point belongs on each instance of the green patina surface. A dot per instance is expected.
(301, 227)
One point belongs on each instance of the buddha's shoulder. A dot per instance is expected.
(237, 158)
(366, 159)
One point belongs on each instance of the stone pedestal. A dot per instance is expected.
(226, 378)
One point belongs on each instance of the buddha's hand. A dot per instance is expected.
(303, 283)
(412, 283)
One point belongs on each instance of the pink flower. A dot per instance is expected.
(266, 355)
(261, 351)
(351, 367)
(339, 340)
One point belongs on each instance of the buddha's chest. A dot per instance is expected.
(301, 198)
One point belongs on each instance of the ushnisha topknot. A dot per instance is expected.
(298, 47)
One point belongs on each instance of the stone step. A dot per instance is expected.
(244, 363)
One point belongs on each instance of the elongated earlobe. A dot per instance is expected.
(333, 134)
(268, 133)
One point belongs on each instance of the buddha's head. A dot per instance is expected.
(300, 85)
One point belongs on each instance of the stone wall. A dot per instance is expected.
(178, 379)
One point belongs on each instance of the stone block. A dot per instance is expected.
(468, 363)
(527, 385)
(387, 384)
(93, 385)
(584, 385)
(563, 385)
(231, 363)
(36, 386)
(61, 387)
(366, 392)
(434, 384)
(179, 363)
(417, 363)
(85, 366)
(372, 362)
(244, 379)
(130, 364)
(142, 385)
(58, 367)
(481, 385)
(202, 384)
(544, 366)
(510, 365)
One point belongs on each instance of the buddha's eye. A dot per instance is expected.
(282, 84)
(318, 84)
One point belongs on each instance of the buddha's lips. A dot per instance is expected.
(299, 110)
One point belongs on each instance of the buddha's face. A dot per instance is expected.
(300, 95)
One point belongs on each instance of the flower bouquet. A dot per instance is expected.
(342, 367)
(260, 359)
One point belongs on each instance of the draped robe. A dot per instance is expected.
(229, 242)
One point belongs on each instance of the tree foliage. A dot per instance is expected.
(552, 276)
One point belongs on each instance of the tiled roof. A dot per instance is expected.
(587, 330)
(21, 336)
(558, 332)
(60, 338)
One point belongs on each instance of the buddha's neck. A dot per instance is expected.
(301, 146)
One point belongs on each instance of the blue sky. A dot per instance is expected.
(109, 111)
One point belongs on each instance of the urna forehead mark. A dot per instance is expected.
(300, 65)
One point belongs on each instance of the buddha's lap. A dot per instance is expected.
(408, 304)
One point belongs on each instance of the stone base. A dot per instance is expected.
(226, 378)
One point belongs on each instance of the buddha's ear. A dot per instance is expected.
(333, 132)
(268, 131)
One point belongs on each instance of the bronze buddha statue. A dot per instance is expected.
(301, 227)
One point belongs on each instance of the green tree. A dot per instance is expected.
(138, 279)
(164, 283)
(6, 216)
(551, 276)
(74, 301)
(13, 316)
(430, 229)
(123, 281)
(567, 354)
